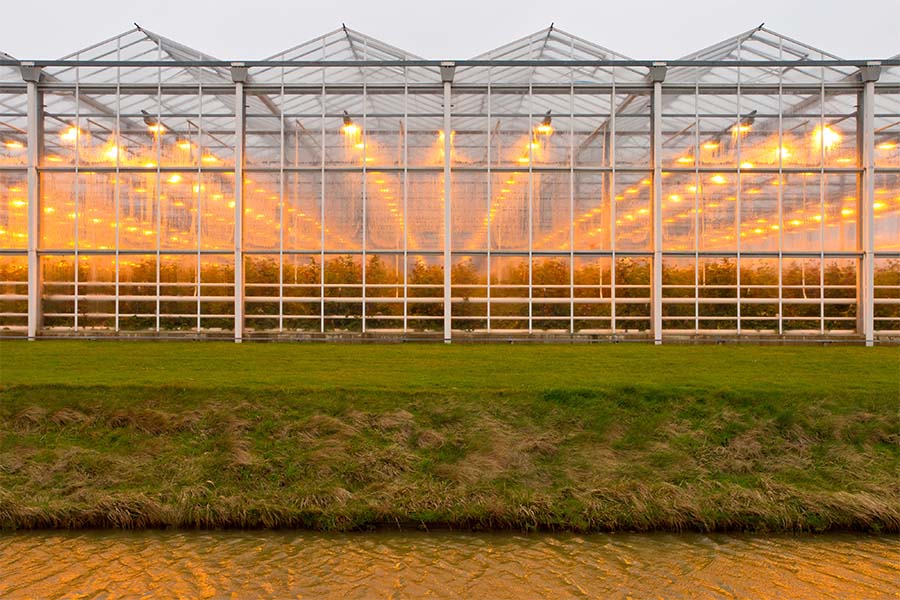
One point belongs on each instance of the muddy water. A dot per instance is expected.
(444, 565)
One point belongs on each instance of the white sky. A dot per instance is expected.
(456, 29)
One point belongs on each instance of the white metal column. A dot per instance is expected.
(657, 76)
(239, 77)
(31, 75)
(866, 238)
(447, 70)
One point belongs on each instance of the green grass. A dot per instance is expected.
(464, 367)
(614, 437)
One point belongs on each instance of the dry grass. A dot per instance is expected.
(614, 459)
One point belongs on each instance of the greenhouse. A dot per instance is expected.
(550, 188)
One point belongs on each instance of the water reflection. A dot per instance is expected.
(444, 565)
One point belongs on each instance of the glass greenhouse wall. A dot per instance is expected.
(550, 187)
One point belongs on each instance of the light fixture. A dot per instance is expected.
(349, 127)
(14, 144)
(545, 127)
(744, 124)
(152, 122)
(711, 144)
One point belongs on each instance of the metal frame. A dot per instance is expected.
(394, 79)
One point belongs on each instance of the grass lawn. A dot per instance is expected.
(607, 437)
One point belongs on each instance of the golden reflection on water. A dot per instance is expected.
(444, 565)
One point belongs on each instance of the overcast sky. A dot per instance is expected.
(455, 29)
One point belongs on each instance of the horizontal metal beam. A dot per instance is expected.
(437, 64)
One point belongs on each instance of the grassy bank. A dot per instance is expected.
(111, 434)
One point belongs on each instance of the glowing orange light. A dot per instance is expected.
(847, 211)
(112, 153)
(184, 145)
(886, 146)
(711, 145)
(14, 145)
(740, 129)
(544, 129)
(209, 158)
(359, 146)
(156, 128)
(826, 137)
(349, 128)
(675, 198)
(746, 165)
(523, 160)
(685, 160)
(175, 178)
(782, 152)
(70, 135)
(718, 179)
(879, 205)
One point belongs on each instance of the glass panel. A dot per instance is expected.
(887, 294)
(802, 205)
(593, 294)
(632, 309)
(801, 281)
(302, 292)
(759, 295)
(678, 215)
(592, 211)
(469, 291)
(552, 211)
(551, 292)
(679, 293)
(425, 211)
(137, 292)
(97, 292)
(58, 292)
(262, 275)
(262, 211)
(178, 292)
(13, 294)
(633, 224)
(887, 211)
(425, 278)
(217, 293)
(13, 210)
(384, 210)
